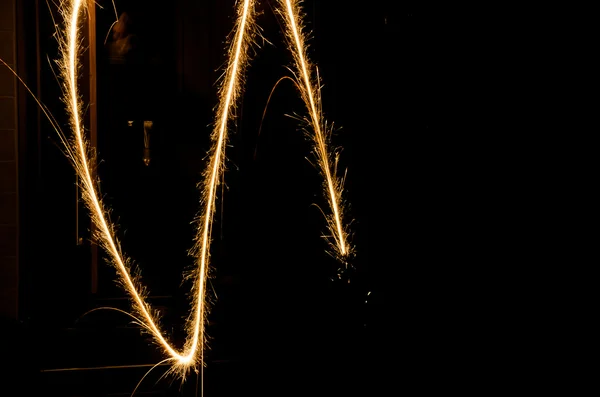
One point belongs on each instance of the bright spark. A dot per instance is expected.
(311, 95)
(79, 153)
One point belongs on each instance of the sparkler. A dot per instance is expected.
(80, 154)
(311, 95)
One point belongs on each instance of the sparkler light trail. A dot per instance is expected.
(290, 11)
(79, 153)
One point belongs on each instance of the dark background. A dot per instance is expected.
(403, 85)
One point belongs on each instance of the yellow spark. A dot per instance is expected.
(79, 153)
(311, 95)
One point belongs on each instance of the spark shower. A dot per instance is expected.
(79, 152)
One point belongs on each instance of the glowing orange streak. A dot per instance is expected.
(217, 161)
(292, 14)
(90, 191)
(69, 68)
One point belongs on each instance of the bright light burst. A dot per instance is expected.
(80, 154)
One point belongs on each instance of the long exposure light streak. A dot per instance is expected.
(79, 154)
(311, 96)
